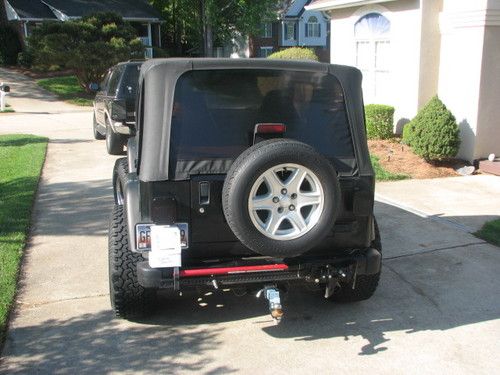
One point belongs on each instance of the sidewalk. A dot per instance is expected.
(466, 202)
(27, 97)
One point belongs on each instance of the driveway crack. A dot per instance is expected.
(435, 250)
(43, 303)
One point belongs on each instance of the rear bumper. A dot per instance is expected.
(367, 263)
(121, 128)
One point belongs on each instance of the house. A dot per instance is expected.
(27, 14)
(410, 50)
(295, 27)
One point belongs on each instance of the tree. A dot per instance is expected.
(201, 24)
(3, 14)
(88, 46)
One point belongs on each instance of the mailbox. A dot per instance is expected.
(4, 88)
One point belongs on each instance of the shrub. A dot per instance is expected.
(294, 53)
(10, 45)
(379, 121)
(433, 134)
(25, 58)
(159, 52)
(408, 133)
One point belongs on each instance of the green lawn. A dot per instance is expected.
(490, 232)
(383, 175)
(22, 158)
(8, 108)
(68, 89)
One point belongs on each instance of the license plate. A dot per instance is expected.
(143, 236)
(165, 247)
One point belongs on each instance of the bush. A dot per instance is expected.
(407, 133)
(25, 58)
(433, 134)
(294, 53)
(379, 121)
(10, 45)
(159, 52)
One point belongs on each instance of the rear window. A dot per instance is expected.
(130, 81)
(215, 113)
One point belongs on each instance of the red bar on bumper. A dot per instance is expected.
(231, 270)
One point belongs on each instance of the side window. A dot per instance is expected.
(113, 81)
(105, 81)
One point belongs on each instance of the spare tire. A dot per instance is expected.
(281, 198)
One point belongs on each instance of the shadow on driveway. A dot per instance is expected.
(421, 289)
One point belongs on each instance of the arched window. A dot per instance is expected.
(313, 28)
(373, 57)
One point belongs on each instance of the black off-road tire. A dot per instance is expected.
(97, 134)
(120, 172)
(249, 166)
(365, 284)
(128, 298)
(114, 142)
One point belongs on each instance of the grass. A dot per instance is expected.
(490, 232)
(8, 109)
(22, 159)
(384, 175)
(68, 89)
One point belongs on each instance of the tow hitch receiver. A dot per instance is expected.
(272, 294)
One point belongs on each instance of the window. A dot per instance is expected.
(267, 30)
(313, 28)
(217, 116)
(113, 81)
(265, 51)
(373, 56)
(290, 31)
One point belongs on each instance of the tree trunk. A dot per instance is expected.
(3, 13)
(209, 46)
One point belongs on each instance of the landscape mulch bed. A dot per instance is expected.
(398, 158)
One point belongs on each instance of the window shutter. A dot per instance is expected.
(307, 29)
(319, 30)
(295, 31)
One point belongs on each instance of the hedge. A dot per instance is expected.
(10, 46)
(379, 121)
(294, 53)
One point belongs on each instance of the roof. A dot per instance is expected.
(159, 77)
(66, 9)
(29, 9)
(337, 4)
(128, 9)
(295, 8)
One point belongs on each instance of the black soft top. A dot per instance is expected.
(157, 83)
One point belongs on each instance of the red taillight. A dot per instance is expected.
(270, 128)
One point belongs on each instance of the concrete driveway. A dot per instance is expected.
(437, 309)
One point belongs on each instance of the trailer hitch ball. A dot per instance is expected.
(272, 294)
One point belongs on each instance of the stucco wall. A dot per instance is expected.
(488, 128)
(469, 82)
(405, 34)
(430, 46)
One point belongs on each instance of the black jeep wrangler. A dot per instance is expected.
(250, 174)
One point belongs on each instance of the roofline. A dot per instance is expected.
(338, 4)
(64, 17)
(9, 7)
